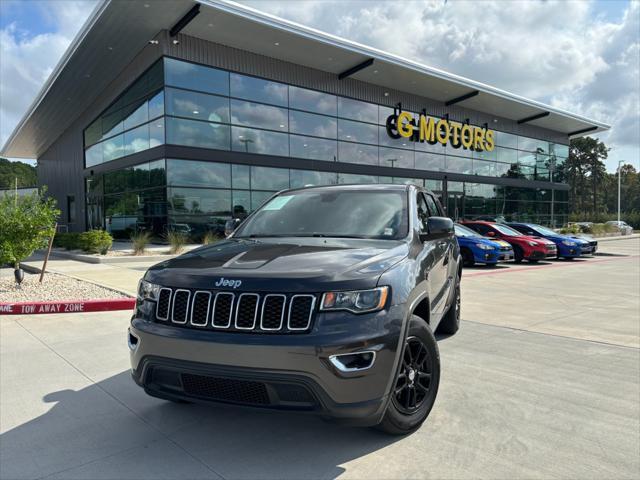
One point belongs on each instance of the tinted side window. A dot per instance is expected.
(482, 229)
(423, 213)
(433, 208)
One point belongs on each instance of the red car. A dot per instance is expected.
(524, 246)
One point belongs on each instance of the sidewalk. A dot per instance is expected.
(122, 277)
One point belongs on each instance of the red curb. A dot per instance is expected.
(67, 306)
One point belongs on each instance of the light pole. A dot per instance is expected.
(620, 162)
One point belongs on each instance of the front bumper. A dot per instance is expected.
(569, 252)
(277, 371)
(496, 256)
(541, 255)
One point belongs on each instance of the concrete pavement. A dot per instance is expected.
(542, 384)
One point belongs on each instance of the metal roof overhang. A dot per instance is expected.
(116, 31)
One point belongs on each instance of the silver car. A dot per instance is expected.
(624, 228)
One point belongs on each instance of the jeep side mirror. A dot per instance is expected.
(437, 227)
(231, 225)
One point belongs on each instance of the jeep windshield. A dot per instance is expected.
(370, 214)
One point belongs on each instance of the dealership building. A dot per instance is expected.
(179, 115)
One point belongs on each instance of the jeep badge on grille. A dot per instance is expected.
(224, 282)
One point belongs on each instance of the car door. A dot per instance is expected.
(432, 258)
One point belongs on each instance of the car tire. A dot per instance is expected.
(415, 386)
(467, 257)
(450, 322)
(518, 255)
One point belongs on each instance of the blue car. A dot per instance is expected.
(475, 248)
(568, 247)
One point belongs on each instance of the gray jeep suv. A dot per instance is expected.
(323, 300)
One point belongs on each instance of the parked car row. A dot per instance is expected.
(491, 243)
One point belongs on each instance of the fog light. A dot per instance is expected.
(353, 362)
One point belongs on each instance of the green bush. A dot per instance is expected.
(140, 240)
(26, 224)
(177, 241)
(96, 241)
(571, 230)
(67, 240)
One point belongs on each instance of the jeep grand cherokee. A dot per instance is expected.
(323, 300)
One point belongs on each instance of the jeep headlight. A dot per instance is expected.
(356, 301)
(568, 243)
(148, 291)
(482, 246)
(532, 244)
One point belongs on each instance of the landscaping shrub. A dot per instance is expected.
(571, 230)
(96, 241)
(67, 240)
(210, 237)
(26, 224)
(140, 241)
(177, 241)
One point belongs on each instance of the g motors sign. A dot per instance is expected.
(426, 129)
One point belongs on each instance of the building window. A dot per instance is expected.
(312, 101)
(259, 90)
(196, 77)
(71, 209)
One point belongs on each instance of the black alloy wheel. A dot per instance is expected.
(414, 377)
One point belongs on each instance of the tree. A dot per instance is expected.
(23, 172)
(26, 223)
(585, 166)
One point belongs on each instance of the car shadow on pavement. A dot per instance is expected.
(112, 429)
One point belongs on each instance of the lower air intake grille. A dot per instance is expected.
(225, 389)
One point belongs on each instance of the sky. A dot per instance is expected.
(582, 56)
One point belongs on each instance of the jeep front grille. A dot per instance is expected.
(243, 312)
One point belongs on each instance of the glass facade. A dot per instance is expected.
(180, 103)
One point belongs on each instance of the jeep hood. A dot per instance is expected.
(284, 265)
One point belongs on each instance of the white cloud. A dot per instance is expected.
(563, 53)
(27, 60)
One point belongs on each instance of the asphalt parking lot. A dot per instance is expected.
(542, 381)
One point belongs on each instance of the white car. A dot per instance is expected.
(622, 226)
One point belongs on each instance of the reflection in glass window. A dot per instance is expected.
(93, 155)
(259, 141)
(312, 101)
(252, 88)
(258, 198)
(305, 178)
(135, 114)
(266, 178)
(199, 201)
(349, 178)
(240, 203)
(157, 174)
(312, 124)
(113, 148)
(501, 169)
(485, 155)
(139, 177)
(136, 140)
(357, 110)
(357, 132)
(313, 148)
(198, 174)
(357, 153)
(560, 151)
(197, 134)
(156, 105)
(383, 114)
(437, 148)
(199, 106)
(93, 133)
(430, 161)
(482, 167)
(257, 115)
(504, 139)
(240, 176)
(156, 132)
(459, 164)
(387, 141)
(395, 157)
(433, 185)
(533, 145)
(195, 77)
(112, 124)
(506, 155)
